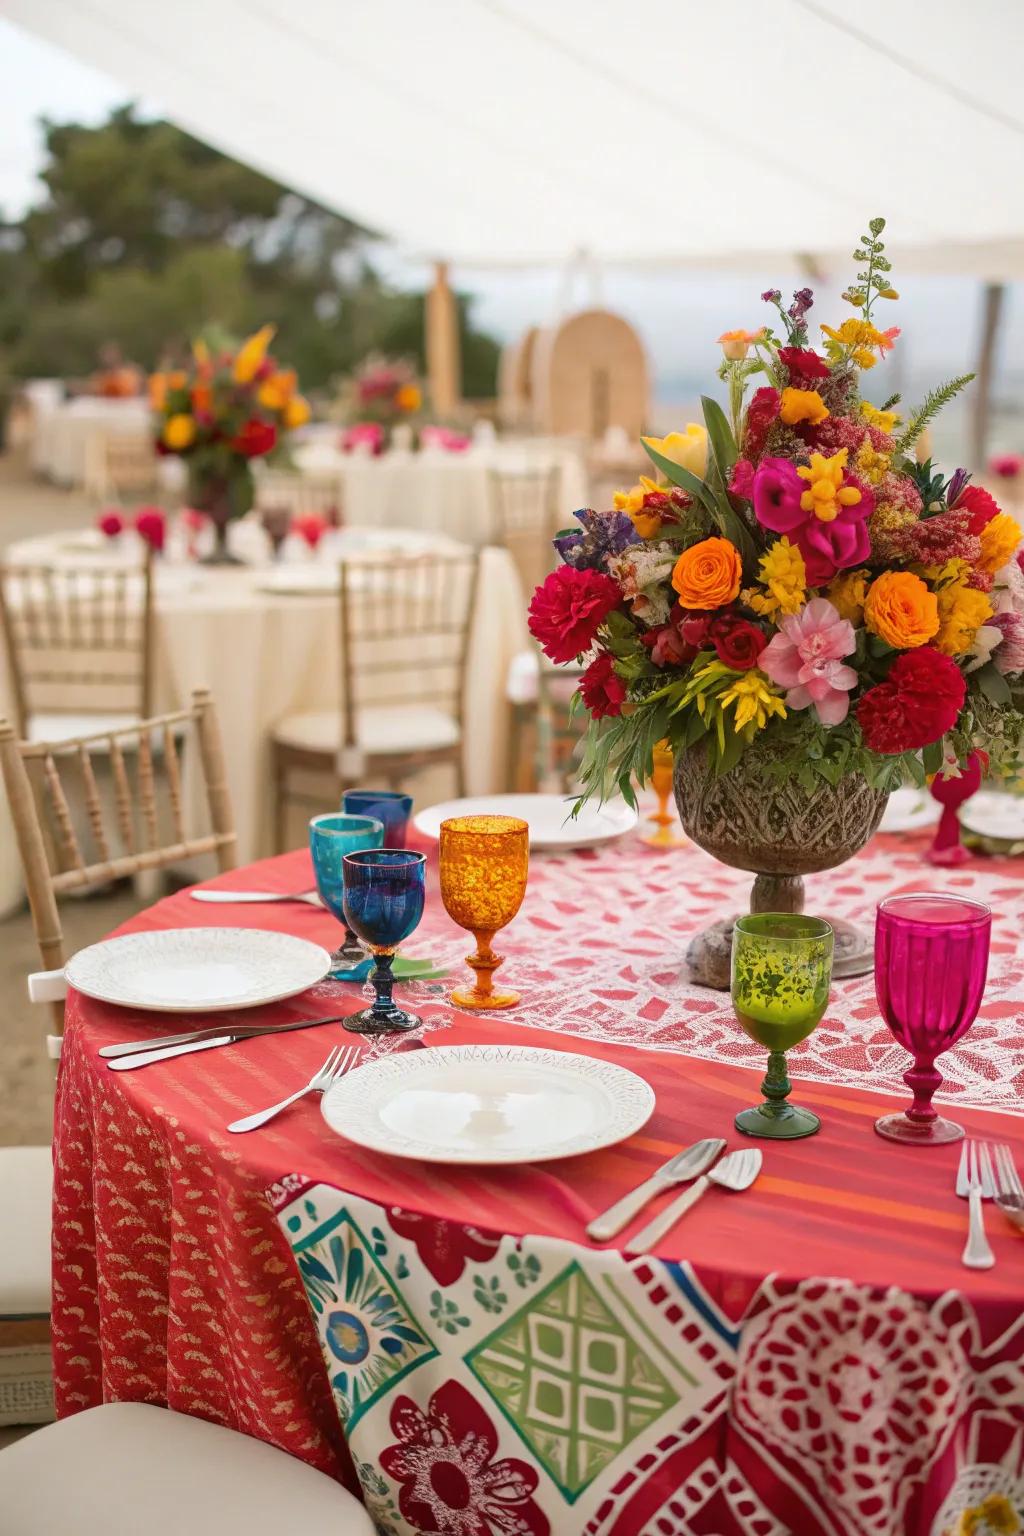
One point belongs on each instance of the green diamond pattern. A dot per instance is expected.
(576, 1385)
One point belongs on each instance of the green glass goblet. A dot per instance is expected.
(781, 972)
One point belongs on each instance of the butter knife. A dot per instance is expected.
(199, 1036)
(685, 1165)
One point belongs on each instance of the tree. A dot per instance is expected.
(145, 236)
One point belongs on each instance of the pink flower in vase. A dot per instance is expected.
(365, 435)
(110, 524)
(806, 658)
(823, 509)
(310, 528)
(151, 527)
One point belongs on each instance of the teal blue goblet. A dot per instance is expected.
(331, 837)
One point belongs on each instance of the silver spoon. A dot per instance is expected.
(735, 1172)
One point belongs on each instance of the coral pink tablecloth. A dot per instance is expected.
(807, 1358)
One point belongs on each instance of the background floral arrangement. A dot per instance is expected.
(385, 391)
(800, 580)
(228, 408)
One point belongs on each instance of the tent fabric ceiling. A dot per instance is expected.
(659, 131)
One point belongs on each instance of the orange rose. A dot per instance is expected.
(901, 610)
(707, 575)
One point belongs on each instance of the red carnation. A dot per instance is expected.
(982, 506)
(803, 363)
(151, 527)
(918, 702)
(255, 439)
(568, 609)
(603, 690)
(761, 413)
(738, 642)
(741, 481)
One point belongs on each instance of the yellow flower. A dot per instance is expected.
(969, 1523)
(802, 405)
(251, 354)
(887, 293)
(962, 612)
(999, 539)
(408, 398)
(201, 353)
(847, 594)
(736, 344)
(999, 1514)
(296, 412)
(857, 338)
(646, 522)
(688, 449)
(871, 464)
(784, 574)
(755, 700)
(179, 432)
(275, 392)
(883, 420)
(826, 494)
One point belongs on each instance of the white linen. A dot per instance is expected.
(60, 444)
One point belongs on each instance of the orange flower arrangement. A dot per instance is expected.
(708, 574)
(901, 610)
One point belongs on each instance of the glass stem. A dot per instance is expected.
(484, 962)
(383, 982)
(922, 1080)
(776, 1085)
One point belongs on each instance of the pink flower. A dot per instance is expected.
(828, 544)
(1007, 465)
(310, 527)
(110, 523)
(806, 657)
(365, 434)
(1009, 652)
(568, 609)
(777, 490)
(741, 481)
(151, 527)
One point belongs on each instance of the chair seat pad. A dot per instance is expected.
(132, 1469)
(64, 727)
(380, 731)
(26, 1191)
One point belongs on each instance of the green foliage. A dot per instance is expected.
(931, 484)
(933, 404)
(710, 494)
(145, 237)
(873, 281)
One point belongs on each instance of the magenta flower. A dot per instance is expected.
(806, 658)
(776, 495)
(829, 529)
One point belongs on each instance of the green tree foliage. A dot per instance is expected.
(145, 236)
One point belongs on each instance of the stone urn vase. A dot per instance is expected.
(780, 833)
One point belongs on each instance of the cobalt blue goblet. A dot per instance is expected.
(384, 893)
(331, 837)
(387, 805)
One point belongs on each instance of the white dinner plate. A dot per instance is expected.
(487, 1104)
(315, 579)
(991, 814)
(908, 810)
(549, 816)
(197, 970)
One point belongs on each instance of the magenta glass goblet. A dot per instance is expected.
(931, 961)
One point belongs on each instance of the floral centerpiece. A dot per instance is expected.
(383, 393)
(805, 613)
(219, 415)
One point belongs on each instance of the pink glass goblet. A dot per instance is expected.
(931, 961)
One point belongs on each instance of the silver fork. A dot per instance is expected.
(735, 1172)
(974, 1181)
(1009, 1191)
(341, 1060)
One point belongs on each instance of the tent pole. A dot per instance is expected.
(991, 314)
(442, 344)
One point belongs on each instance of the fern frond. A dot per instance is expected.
(926, 412)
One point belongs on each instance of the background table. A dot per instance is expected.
(60, 443)
(808, 1357)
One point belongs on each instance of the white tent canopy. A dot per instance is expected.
(669, 131)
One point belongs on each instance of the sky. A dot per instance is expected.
(677, 315)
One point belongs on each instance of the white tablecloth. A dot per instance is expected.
(443, 492)
(61, 437)
(265, 655)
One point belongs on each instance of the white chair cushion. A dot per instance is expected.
(131, 1469)
(64, 727)
(402, 729)
(26, 1191)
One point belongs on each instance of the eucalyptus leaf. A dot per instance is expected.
(993, 684)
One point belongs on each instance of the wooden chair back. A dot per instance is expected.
(526, 515)
(79, 640)
(302, 495)
(590, 373)
(119, 464)
(405, 628)
(148, 829)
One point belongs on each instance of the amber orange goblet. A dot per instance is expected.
(661, 783)
(484, 860)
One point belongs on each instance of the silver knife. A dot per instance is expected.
(685, 1165)
(147, 1058)
(196, 1036)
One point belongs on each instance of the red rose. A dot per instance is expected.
(667, 646)
(741, 481)
(918, 702)
(255, 439)
(694, 627)
(568, 609)
(111, 523)
(603, 690)
(738, 642)
(151, 527)
(761, 413)
(982, 507)
(803, 363)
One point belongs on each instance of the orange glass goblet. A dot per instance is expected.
(484, 860)
(661, 782)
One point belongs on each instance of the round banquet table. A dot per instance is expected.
(60, 444)
(808, 1357)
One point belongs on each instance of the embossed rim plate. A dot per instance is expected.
(197, 970)
(488, 1104)
(908, 810)
(551, 824)
(994, 815)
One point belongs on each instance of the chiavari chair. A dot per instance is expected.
(524, 515)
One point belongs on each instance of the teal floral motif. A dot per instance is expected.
(525, 1270)
(368, 1333)
(446, 1313)
(379, 1503)
(489, 1295)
